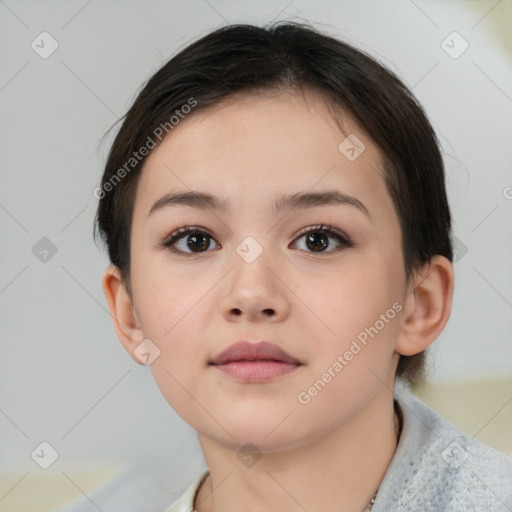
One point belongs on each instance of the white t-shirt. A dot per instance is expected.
(186, 501)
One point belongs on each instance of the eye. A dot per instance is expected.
(191, 237)
(195, 240)
(317, 238)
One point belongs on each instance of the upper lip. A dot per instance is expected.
(247, 351)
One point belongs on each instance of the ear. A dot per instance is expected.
(121, 308)
(427, 306)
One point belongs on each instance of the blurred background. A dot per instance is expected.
(68, 71)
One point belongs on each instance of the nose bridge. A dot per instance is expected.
(254, 286)
(250, 250)
(253, 260)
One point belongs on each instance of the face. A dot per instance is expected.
(252, 272)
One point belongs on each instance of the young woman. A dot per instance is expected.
(275, 214)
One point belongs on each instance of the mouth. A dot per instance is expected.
(262, 370)
(250, 362)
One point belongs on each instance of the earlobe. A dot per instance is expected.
(126, 323)
(427, 306)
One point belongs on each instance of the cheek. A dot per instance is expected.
(353, 314)
(347, 299)
(172, 320)
(177, 329)
(167, 299)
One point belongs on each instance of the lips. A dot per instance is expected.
(247, 351)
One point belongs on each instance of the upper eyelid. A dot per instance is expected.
(320, 227)
(183, 231)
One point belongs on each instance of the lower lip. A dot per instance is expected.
(257, 371)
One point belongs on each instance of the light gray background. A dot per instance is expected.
(65, 378)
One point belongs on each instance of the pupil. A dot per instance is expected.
(194, 238)
(313, 238)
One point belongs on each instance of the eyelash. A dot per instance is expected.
(343, 240)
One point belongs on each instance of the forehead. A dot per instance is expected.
(253, 148)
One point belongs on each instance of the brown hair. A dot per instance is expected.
(248, 59)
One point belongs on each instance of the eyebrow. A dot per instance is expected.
(298, 200)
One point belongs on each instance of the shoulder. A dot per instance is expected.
(438, 468)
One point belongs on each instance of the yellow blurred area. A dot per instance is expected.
(46, 490)
(481, 409)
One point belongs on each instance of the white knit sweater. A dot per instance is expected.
(435, 468)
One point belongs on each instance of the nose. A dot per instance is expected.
(256, 291)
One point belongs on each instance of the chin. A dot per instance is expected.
(264, 436)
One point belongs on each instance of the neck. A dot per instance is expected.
(341, 470)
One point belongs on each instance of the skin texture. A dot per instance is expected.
(331, 453)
